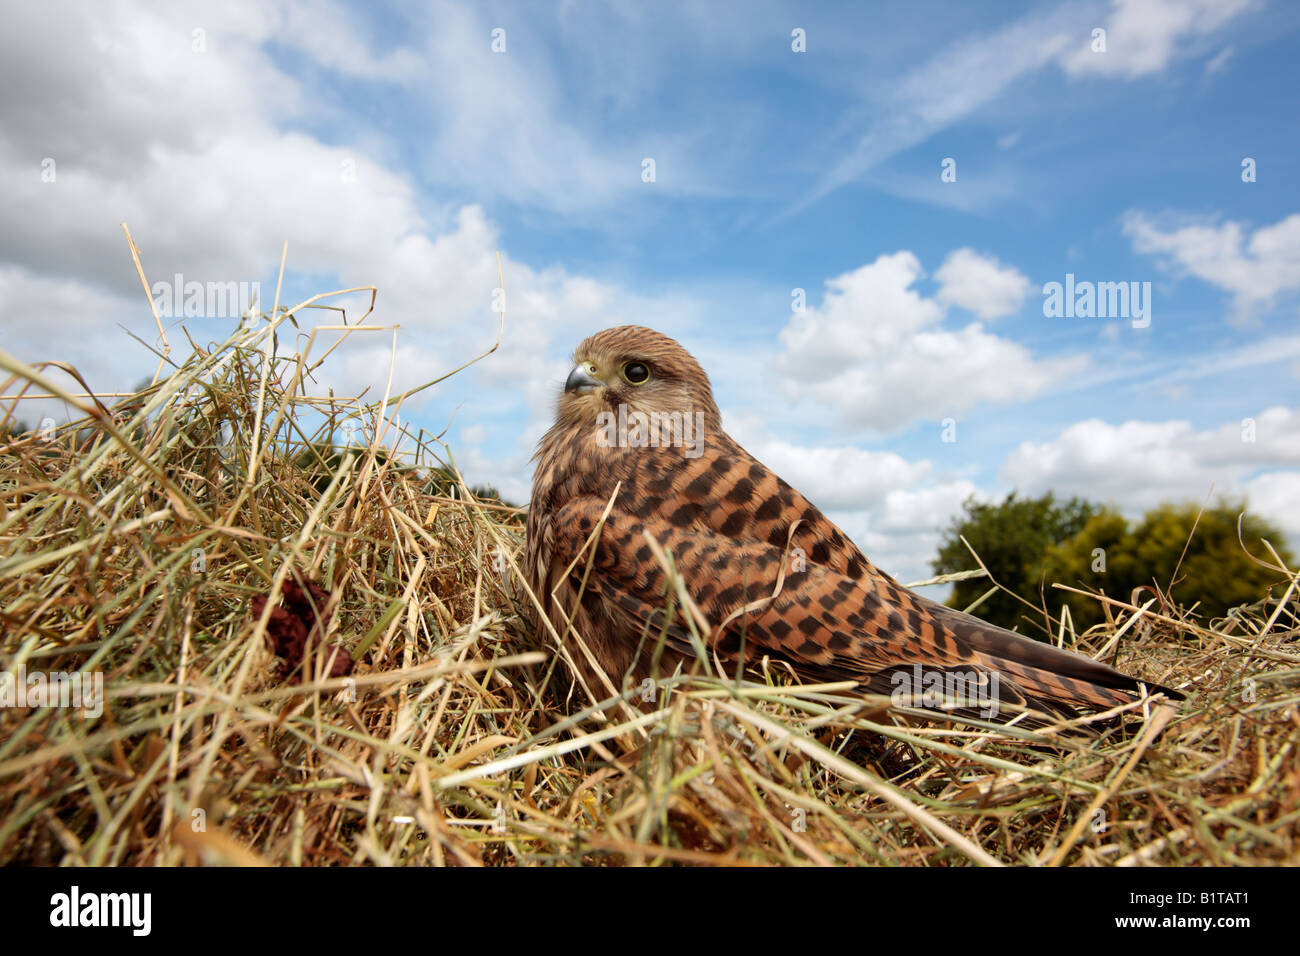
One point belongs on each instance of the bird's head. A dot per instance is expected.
(638, 368)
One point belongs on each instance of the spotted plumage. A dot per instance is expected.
(768, 572)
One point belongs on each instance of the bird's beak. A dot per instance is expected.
(581, 380)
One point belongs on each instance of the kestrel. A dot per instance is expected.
(768, 573)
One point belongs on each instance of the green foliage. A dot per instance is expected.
(1030, 543)
(1011, 539)
(1216, 574)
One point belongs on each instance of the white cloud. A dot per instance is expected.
(181, 145)
(1140, 464)
(875, 353)
(192, 147)
(1276, 495)
(46, 319)
(45, 309)
(189, 148)
(924, 510)
(901, 535)
(1142, 36)
(981, 284)
(839, 476)
(1255, 269)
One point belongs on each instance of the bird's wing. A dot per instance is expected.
(826, 624)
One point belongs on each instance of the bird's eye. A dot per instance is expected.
(636, 372)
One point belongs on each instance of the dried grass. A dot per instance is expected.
(459, 739)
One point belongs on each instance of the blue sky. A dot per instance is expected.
(391, 145)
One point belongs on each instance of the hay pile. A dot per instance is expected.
(134, 543)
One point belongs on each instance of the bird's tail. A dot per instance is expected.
(1049, 678)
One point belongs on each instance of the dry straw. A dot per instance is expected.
(133, 539)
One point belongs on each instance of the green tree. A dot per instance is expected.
(1012, 539)
(1214, 572)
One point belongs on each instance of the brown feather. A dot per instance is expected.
(735, 530)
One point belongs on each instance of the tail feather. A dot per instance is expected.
(1046, 674)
